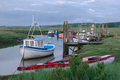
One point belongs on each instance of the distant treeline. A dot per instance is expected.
(115, 24)
(111, 24)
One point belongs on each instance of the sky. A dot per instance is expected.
(54, 12)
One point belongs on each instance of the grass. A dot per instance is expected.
(109, 46)
(8, 38)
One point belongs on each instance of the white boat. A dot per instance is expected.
(75, 39)
(50, 33)
(93, 60)
(35, 47)
(82, 37)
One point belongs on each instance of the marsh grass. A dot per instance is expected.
(109, 46)
(10, 37)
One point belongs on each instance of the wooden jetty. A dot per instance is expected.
(67, 44)
(82, 43)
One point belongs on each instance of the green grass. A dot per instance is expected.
(109, 46)
(8, 38)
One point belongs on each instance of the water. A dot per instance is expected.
(10, 58)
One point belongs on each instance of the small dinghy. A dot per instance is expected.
(50, 33)
(91, 60)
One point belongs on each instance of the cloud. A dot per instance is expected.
(53, 11)
(56, 11)
(36, 4)
(92, 10)
(60, 2)
(54, 2)
(22, 9)
(87, 2)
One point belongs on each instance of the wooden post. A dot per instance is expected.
(99, 33)
(106, 31)
(78, 34)
(67, 31)
(95, 32)
(102, 29)
(78, 37)
(57, 35)
(89, 33)
(64, 39)
(67, 36)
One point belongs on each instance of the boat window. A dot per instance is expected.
(32, 43)
(27, 43)
(39, 44)
(36, 43)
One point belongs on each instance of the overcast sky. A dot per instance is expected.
(50, 12)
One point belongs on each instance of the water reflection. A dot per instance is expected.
(36, 61)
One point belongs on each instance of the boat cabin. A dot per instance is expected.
(33, 42)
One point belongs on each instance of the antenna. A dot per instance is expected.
(37, 16)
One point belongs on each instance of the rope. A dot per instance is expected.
(14, 71)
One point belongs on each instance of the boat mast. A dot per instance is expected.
(34, 24)
(31, 27)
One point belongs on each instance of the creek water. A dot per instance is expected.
(10, 58)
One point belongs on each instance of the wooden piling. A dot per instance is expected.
(95, 32)
(102, 29)
(78, 33)
(99, 33)
(67, 31)
(65, 39)
(57, 35)
(89, 32)
(106, 31)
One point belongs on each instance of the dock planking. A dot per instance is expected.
(82, 43)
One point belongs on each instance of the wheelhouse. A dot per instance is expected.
(33, 43)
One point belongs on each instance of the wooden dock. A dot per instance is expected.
(82, 43)
(67, 44)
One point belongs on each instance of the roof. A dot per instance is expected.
(32, 39)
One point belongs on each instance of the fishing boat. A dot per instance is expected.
(82, 37)
(61, 34)
(75, 39)
(91, 60)
(50, 33)
(34, 47)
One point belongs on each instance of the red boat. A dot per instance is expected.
(61, 63)
(61, 34)
(91, 60)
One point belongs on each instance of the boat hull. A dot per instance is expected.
(82, 40)
(106, 61)
(28, 53)
(63, 63)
